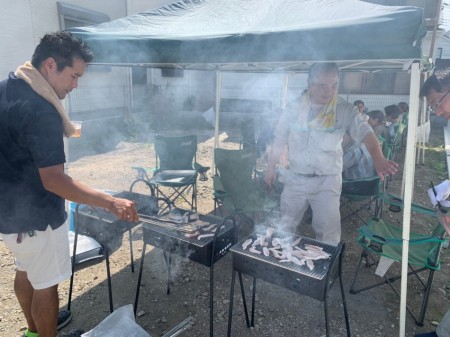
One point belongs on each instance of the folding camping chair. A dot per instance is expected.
(235, 190)
(176, 170)
(360, 197)
(387, 153)
(381, 241)
(247, 140)
(398, 139)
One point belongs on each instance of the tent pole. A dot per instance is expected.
(285, 91)
(421, 138)
(409, 185)
(217, 111)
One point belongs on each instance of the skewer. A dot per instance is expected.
(167, 225)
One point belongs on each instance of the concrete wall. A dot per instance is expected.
(23, 22)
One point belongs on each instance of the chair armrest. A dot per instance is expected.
(201, 170)
(142, 172)
(415, 207)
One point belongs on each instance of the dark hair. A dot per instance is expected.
(63, 47)
(403, 105)
(392, 110)
(376, 114)
(439, 81)
(357, 102)
(318, 68)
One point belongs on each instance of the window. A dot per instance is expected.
(169, 72)
(73, 16)
(375, 83)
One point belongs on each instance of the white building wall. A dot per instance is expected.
(24, 22)
(444, 43)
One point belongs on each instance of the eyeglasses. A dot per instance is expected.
(435, 107)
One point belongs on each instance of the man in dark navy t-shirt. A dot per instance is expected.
(33, 184)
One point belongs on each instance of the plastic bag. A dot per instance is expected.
(118, 324)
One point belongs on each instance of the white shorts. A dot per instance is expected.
(45, 257)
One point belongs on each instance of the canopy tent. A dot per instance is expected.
(254, 35)
(272, 36)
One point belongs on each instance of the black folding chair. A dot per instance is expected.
(176, 170)
(361, 198)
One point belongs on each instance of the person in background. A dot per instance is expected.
(392, 120)
(32, 178)
(361, 109)
(436, 89)
(376, 121)
(313, 126)
(404, 110)
(357, 162)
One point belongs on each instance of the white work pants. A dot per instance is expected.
(323, 194)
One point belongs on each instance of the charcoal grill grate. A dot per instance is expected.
(195, 249)
(314, 283)
(321, 266)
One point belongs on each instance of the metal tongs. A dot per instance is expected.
(441, 213)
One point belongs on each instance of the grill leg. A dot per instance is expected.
(168, 258)
(141, 268)
(131, 251)
(244, 302)
(327, 322)
(253, 301)
(344, 302)
(194, 197)
(211, 298)
(230, 308)
(73, 269)
(108, 273)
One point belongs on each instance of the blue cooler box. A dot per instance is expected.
(71, 215)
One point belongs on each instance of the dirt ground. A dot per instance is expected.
(279, 312)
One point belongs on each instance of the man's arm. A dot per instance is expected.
(383, 166)
(275, 154)
(56, 181)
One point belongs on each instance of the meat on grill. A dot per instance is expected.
(285, 249)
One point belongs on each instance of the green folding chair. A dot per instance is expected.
(235, 190)
(381, 239)
(398, 139)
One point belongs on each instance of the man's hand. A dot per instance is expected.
(442, 193)
(385, 167)
(124, 209)
(270, 176)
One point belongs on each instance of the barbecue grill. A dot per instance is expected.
(108, 230)
(314, 283)
(205, 251)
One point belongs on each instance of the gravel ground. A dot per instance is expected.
(279, 312)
